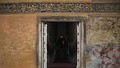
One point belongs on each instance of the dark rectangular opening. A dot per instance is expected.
(62, 44)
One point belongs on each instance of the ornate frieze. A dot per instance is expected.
(58, 7)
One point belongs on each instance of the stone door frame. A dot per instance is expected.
(42, 49)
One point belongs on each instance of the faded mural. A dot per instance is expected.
(103, 47)
(103, 56)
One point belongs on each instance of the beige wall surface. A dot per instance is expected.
(16, 1)
(18, 41)
(98, 1)
(104, 1)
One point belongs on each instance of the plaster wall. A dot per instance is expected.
(98, 1)
(103, 37)
(18, 37)
(17, 1)
(17, 41)
(103, 29)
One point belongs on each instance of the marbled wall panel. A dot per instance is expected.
(103, 42)
(18, 41)
(103, 56)
(103, 29)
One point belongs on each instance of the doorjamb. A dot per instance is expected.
(80, 49)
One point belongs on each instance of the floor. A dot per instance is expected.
(61, 65)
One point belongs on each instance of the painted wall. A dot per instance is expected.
(103, 42)
(18, 36)
(16, 1)
(18, 41)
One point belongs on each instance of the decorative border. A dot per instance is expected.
(6, 8)
(63, 19)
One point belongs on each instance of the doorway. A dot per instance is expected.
(61, 42)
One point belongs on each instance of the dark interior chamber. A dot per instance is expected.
(62, 42)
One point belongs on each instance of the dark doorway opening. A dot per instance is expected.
(61, 44)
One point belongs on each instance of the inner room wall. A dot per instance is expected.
(62, 29)
(51, 39)
(68, 30)
(72, 38)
